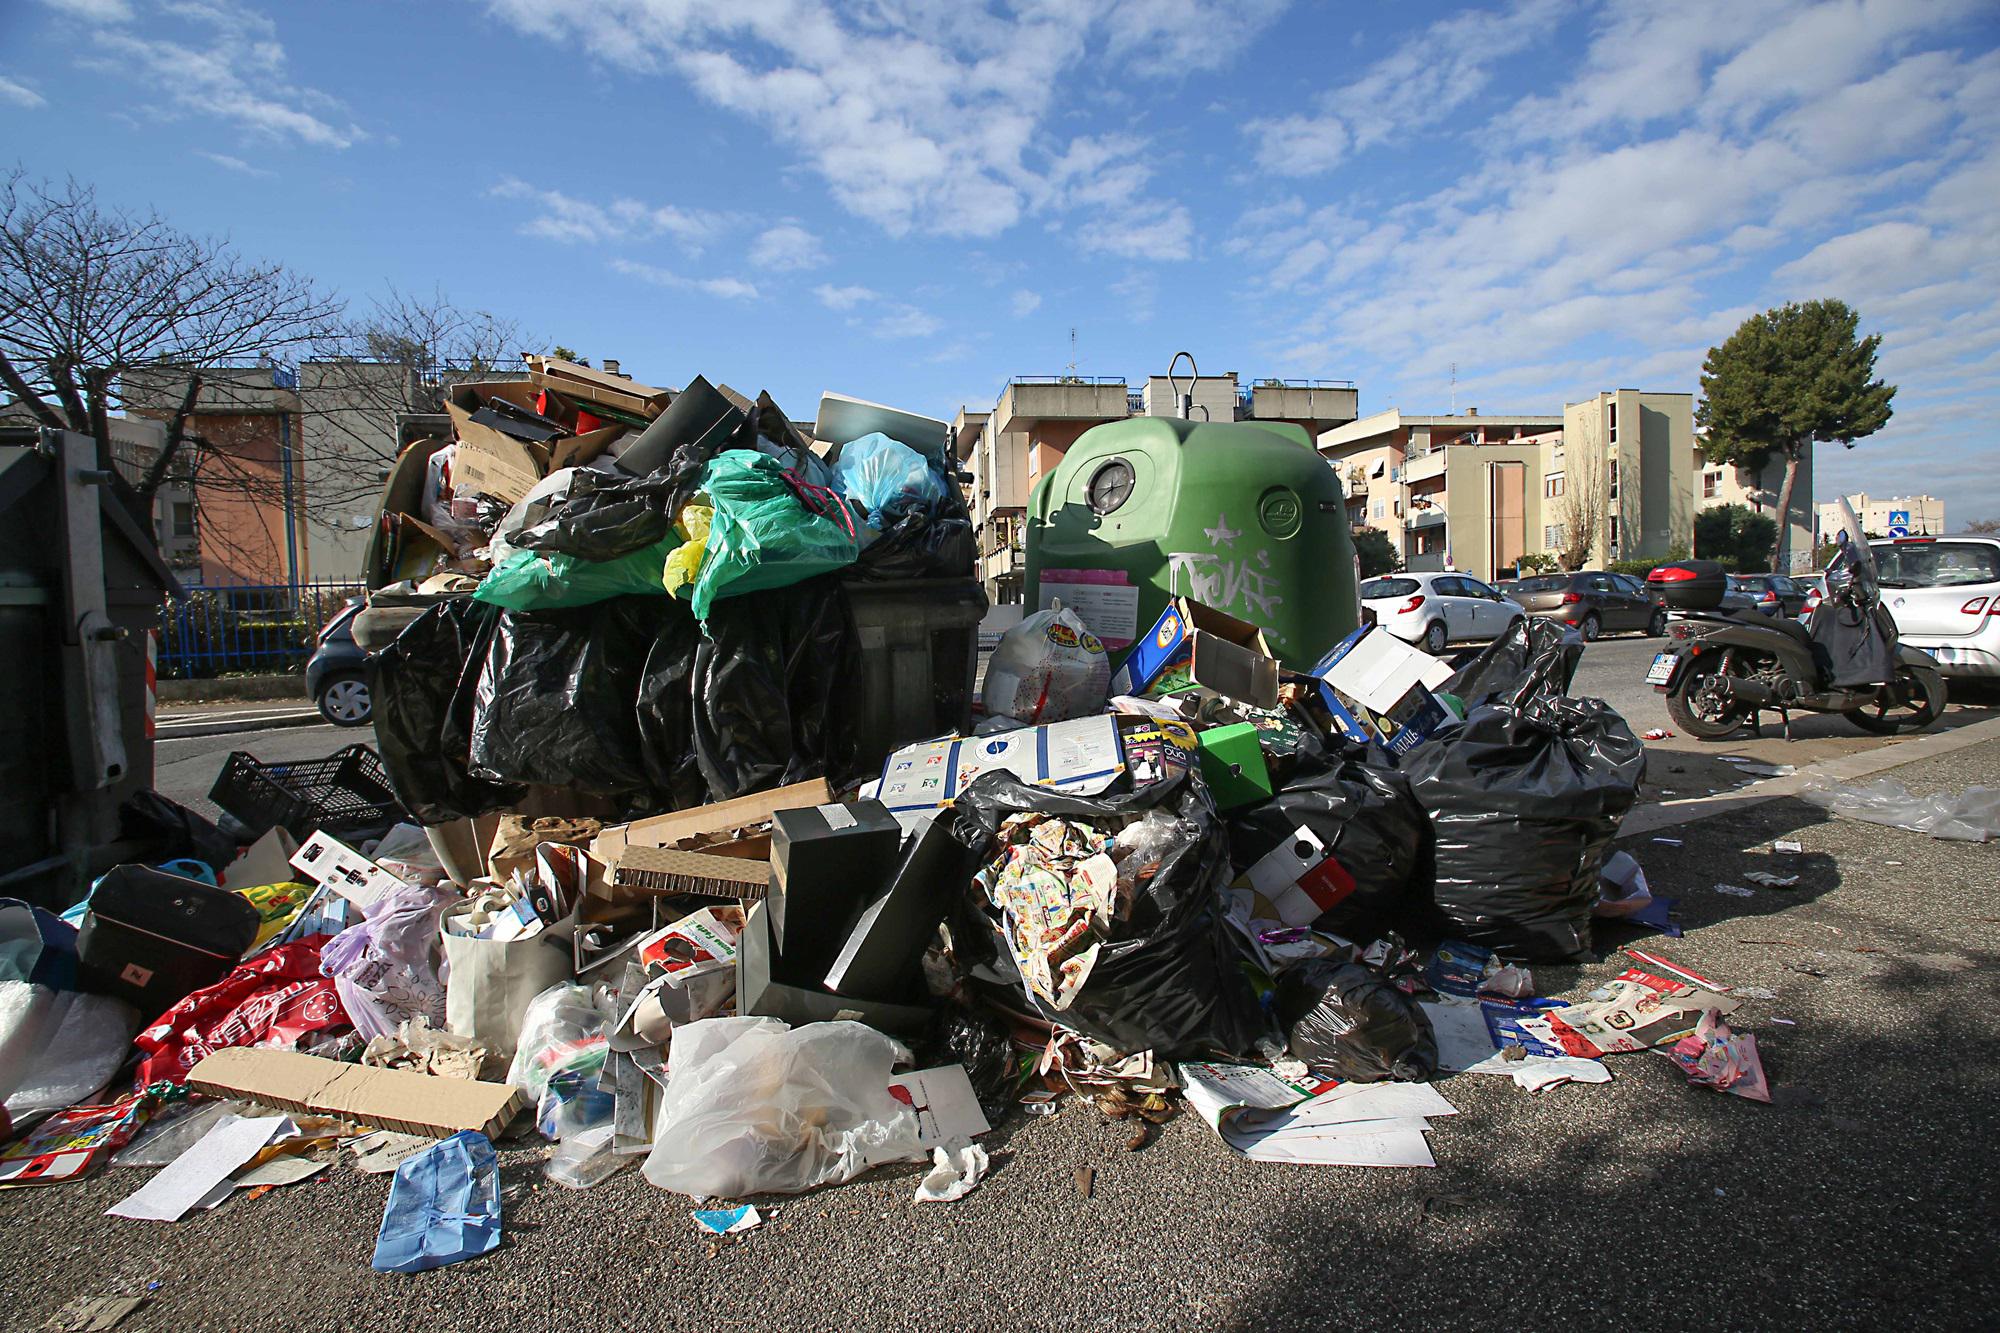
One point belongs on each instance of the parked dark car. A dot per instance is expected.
(1593, 601)
(334, 679)
(1772, 594)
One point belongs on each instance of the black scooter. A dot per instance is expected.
(1726, 667)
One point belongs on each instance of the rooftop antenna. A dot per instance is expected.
(1073, 362)
(1454, 388)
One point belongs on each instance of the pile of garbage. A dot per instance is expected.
(651, 905)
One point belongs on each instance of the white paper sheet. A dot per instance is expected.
(1400, 1148)
(946, 1106)
(1465, 1045)
(185, 1181)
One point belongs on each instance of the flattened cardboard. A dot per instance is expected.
(576, 450)
(398, 1099)
(1224, 654)
(489, 463)
(577, 381)
(672, 830)
(665, 871)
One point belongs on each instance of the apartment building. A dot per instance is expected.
(1725, 483)
(1037, 418)
(1454, 491)
(1886, 516)
(1476, 491)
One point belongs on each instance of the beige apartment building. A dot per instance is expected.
(1037, 419)
(1476, 491)
(1887, 516)
(1724, 483)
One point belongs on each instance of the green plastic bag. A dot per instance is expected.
(763, 534)
(547, 580)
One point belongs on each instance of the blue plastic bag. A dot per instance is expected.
(887, 478)
(444, 1206)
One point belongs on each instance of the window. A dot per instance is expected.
(1552, 486)
(1614, 479)
(1611, 423)
(1378, 509)
(183, 518)
(1474, 588)
(1937, 564)
(1449, 588)
(1553, 537)
(1614, 532)
(1378, 588)
(1711, 485)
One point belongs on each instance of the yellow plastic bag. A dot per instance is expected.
(278, 905)
(684, 563)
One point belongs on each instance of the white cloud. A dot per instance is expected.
(223, 62)
(723, 288)
(906, 321)
(20, 94)
(228, 163)
(562, 217)
(1025, 303)
(921, 116)
(842, 298)
(786, 247)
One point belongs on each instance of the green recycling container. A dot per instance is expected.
(1243, 516)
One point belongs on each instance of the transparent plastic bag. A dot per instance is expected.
(753, 1107)
(1972, 815)
(562, 1032)
(1048, 668)
(887, 479)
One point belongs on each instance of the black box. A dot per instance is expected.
(826, 861)
(151, 938)
(886, 943)
(1689, 585)
(766, 988)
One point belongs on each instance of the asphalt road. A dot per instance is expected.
(185, 767)
(1861, 1199)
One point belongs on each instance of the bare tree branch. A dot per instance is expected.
(28, 397)
(1583, 511)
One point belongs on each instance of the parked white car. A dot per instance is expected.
(1944, 594)
(1432, 610)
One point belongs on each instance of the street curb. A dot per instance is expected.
(225, 728)
(1844, 768)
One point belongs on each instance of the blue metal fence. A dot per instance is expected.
(238, 628)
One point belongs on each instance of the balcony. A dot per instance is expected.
(1423, 467)
(1430, 517)
(1326, 403)
(1032, 398)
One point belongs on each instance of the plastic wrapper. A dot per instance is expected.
(385, 967)
(542, 498)
(89, 1040)
(422, 686)
(768, 705)
(887, 478)
(1168, 975)
(279, 998)
(1347, 1023)
(1523, 805)
(556, 696)
(1362, 818)
(562, 1033)
(982, 1044)
(1536, 659)
(444, 1206)
(685, 563)
(1048, 668)
(752, 1106)
(586, 1159)
(1972, 815)
(769, 531)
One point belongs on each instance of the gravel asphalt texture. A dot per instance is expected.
(1862, 1198)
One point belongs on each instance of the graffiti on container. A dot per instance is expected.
(1238, 586)
(1221, 534)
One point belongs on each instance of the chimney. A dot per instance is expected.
(610, 366)
(1472, 411)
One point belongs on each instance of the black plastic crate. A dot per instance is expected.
(347, 791)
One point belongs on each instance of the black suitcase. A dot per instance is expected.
(151, 938)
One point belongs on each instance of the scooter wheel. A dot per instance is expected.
(1914, 701)
(1697, 712)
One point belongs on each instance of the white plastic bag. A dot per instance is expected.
(562, 1031)
(1972, 815)
(752, 1106)
(1048, 668)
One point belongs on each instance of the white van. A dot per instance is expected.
(1944, 593)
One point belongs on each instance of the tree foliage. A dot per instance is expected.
(1789, 378)
(1377, 552)
(1736, 535)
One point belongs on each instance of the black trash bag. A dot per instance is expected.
(918, 544)
(422, 687)
(1523, 804)
(603, 517)
(172, 831)
(769, 700)
(557, 697)
(1372, 864)
(1535, 659)
(665, 710)
(1171, 977)
(983, 1044)
(1347, 1023)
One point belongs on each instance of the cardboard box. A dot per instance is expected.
(767, 987)
(682, 827)
(489, 463)
(1216, 650)
(1232, 763)
(1378, 690)
(1082, 756)
(398, 1099)
(513, 843)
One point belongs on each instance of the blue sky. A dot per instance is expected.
(912, 200)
